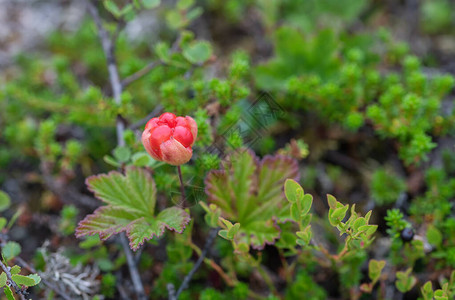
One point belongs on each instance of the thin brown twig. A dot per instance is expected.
(208, 243)
(141, 73)
(108, 49)
(210, 262)
(144, 120)
(149, 67)
(118, 30)
(135, 277)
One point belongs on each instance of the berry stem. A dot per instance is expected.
(182, 187)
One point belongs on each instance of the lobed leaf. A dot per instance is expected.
(172, 218)
(106, 221)
(250, 192)
(131, 202)
(259, 233)
(134, 191)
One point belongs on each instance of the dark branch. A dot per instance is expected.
(135, 277)
(16, 288)
(145, 70)
(143, 121)
(208, 243)
(141, 73)
(108, 48)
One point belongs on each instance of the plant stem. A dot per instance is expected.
(210, 262)
(287, 268)
(108, 45)
(182, 186)
(267, 279)
(208, 243)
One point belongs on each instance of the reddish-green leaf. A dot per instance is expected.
(131, 202)
(250, 192)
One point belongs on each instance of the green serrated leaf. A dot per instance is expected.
(23, 280)
(250, 192)
(15, 269)
(173, 218)
(260, 233)
(11, 250)
(135, 191)
(131, 204)
(5, 201)
(2, 279)
(198, 52)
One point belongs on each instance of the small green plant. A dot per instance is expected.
(405, 281)
(437, 16)
(446, 292)
(11, 281)
(386, 187)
